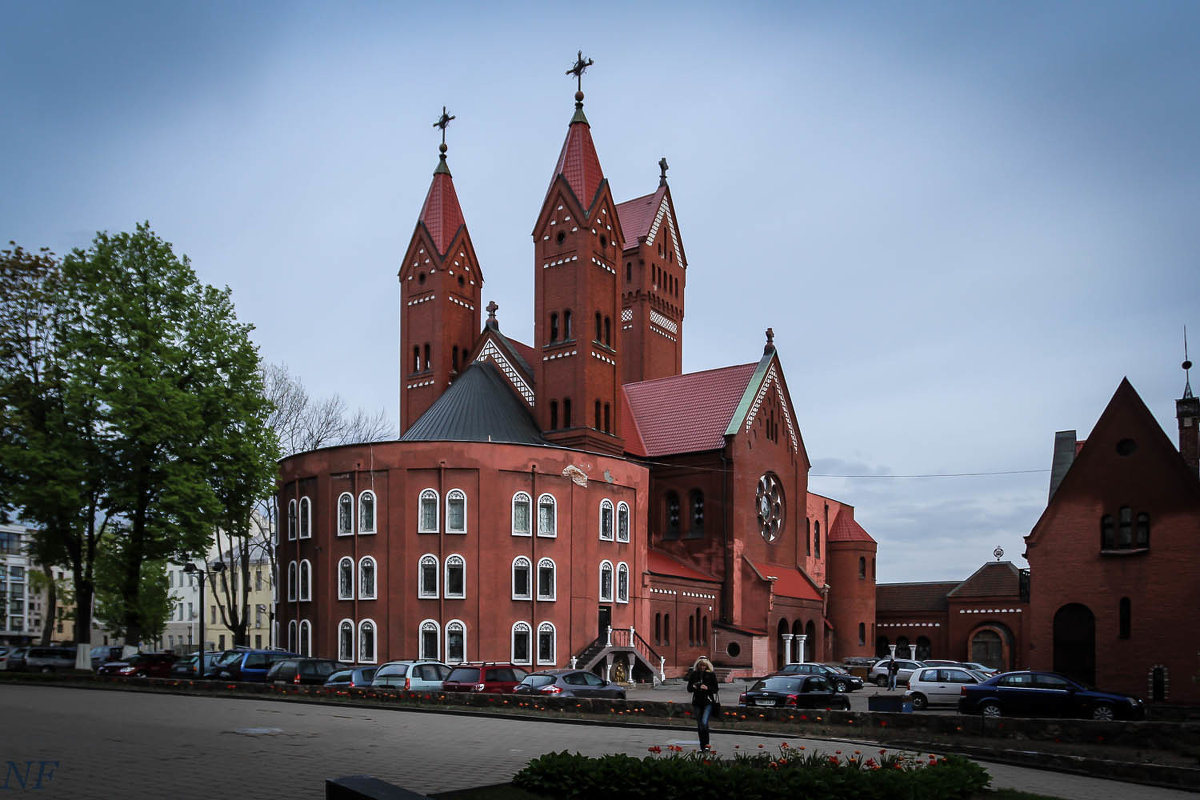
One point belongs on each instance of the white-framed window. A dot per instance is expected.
(622, 582)
(427, 513)
(547, 524)
(522, 514)
(305, 638)
(546, 644)
(346, 578)
(522, 643)
(291, 589)
(366, 578)
(606, 520)
(305, 580)
(305, 518)
(291, 523)
(456, 511)
(366, 512)
(545, 580)
(622, 521)
(606, 581)
(346, 641)
(429, 640)
(345, 514)
(292, 636)
(427, 576)
(456, 642)
(366, 642)
(456, 582)
(522, 579)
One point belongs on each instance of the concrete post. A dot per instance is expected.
(609, 643)
(800, 639)
(787, 648)
(573, 659)
(892, 650)
(912, 652)
(662, 668)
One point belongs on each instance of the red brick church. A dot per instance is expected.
(575, 499)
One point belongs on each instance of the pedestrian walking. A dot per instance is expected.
(893, 670)
(702, 683)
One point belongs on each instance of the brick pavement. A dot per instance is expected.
(109, 744)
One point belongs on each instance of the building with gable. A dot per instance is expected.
(576, 499)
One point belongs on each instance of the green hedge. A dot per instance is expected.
(760, 775)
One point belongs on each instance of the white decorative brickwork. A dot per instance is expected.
(773, 379)
(663, 322)
(627, 315)
(604, 358)
(492, 352)
(564, 354)
(420, 300)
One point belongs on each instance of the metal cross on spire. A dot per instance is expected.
(442, 122)
(662, 166)
(578, 68)
(1187, 367)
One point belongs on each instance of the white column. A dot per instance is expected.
(573, 659)
(608, 670)
(787, 648)
(609, 643)
(892, 650)
(800, 639)
(662, 668)
(912, 652)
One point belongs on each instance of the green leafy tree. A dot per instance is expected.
(154, 601)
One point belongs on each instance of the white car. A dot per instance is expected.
(939, 685)
(879, 673)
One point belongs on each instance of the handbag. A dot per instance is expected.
(716, 702)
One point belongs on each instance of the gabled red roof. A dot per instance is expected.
(660, 563)
(789, 582)
(637, 215)
(994, 579)
(579, 164)
(846, 529)
(687, 413)
(441, 213)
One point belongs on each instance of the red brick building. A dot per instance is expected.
(577, 498)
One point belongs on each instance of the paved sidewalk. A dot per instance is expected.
(107, 744)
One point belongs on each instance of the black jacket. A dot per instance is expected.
(703, 686)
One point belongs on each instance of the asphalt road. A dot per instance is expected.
(87, 743)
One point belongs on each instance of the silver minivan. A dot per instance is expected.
(49, 659)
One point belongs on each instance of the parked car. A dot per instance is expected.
(793, 691)
(306, 671)
(940, 662)
(351, 678)
(49, 659)
(879, 673)
(487, 677)
(840, 680)
(411, 676)
(1046, 694)
(14, 659)
(939, 685)
(140, 665)
(247, 665)
(186, 667)
(569, 683)
(103, 653)
(975, 666)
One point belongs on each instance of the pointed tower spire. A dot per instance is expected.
(1187, 368)
(441, 213)
(578, 163)
(1187, 411)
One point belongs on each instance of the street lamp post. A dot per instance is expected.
(201, 574)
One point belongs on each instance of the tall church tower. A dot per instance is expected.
(577, 246)
(653, 275)
(440, 285)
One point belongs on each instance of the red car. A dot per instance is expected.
(488, 677)
(140, 665)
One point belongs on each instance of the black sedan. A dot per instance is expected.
(569, 683)
(1046, 694)
(839, 679)
(793, 691)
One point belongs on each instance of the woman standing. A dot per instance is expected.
(702, 683)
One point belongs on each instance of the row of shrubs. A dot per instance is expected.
(755, 775)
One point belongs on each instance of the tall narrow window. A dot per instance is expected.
(305, 518)
(346, 641)
(366, 512)
(416, 359)
(567, 325)
(291, 581)
(598, 330)
(553, 326)
(546, 644)
(305, 580)
(429, 643)
(553, 415)
(862, 568)
(546, 582)
(522, 506)
(696, 504)
(597, 422)
(606, 582)
(1142, 530)
(608, 331)
(1126, 621)
(427, 576)
(366, 578)
(456, 577)
(1125, 527)
(547, 516)
(346, 579)
(521, 641)
(456, 511)
(521, 583)
(456, 642)
(366, 642)
(606, 520)
(607, 418)
(305, 638)
(428, 361)
(1108, 536)
(817, 539)
(666, 628)
(862, 633)
(345, 524)
(672, 514)
(291, 522)
(292, 636)
(622, 521)
(622, 583)
(566, 412)
(427, 521)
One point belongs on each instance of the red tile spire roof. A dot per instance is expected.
(637, 215)
(441, 215)
(687, 413)
(846, 529)
(578, 163)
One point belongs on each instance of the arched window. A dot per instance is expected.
(427, 576)
(606, 520)
(672, 511)
(427, 517)
(692, 629)
(366, 578)
(456, 511)
(622, 583)
(608, 418)
(291, 645)
(1141, 532)
(291, 523)
(862, 633)
(599, 331)
(567, 332)
(622, 521)
(608, 331)
(456, 578)
(862, 568)
(305, 518)
(522, 638)
(305, 580)
(546, 582)
(1125, 527)
(522, 517)
(817, 539)
(553, 415)
(346, 641)
(547, 516)
(346, 579)
(696, 503)
(456, 642)
(1108, 535)
(430, 641)
(666, 628)
(1125, 614)
(417, 358)
(658, 628)
(366, 512)
(291, 581)
(606, 581)
(305, 638)
(366, 642)
(597, 425)
(546, 644)
(521, 583)
(553, 326)
(345, 522)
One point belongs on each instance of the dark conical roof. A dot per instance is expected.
(478, 407)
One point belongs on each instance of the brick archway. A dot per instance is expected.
(991, 644)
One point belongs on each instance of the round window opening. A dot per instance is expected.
(1125, 447)
(768, 498)
(733, 649)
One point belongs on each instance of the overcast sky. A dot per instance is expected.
(966, 222)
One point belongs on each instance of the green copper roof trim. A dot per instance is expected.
(756, 382)
(579, 116)
(442, 167)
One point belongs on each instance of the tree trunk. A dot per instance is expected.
(51, 605)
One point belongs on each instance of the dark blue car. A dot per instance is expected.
(1045, 694)
(247, 665)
